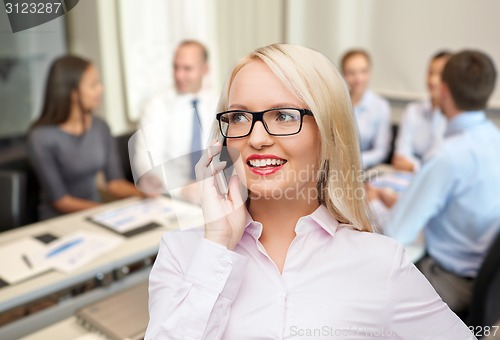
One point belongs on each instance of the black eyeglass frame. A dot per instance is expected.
(259, 117)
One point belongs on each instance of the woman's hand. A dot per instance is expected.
(224, 217)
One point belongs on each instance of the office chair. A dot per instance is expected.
(122, 144)
(485, 306)
(394, 134)
(12, 199)
(15, 160)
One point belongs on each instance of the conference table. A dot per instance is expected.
(127, 264)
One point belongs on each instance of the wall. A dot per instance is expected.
(133, 43)
(240, 26)
(400, 35)
(25, 58)
(243, 26)
(92, 32)
(149, 33)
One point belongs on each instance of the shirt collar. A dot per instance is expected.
(464, 121)
(253, 228)
(363, 103)
(320, 218)
(191, 96)
(428, 111)
(324, 219)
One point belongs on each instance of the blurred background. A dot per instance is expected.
(132, 43)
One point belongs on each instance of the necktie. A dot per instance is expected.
(196, 138)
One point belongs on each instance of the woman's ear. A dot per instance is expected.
(75, 96)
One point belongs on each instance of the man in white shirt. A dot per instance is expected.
(373, 113)
(423, 124)
(176, 123)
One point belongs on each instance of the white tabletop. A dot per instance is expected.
(134, 248)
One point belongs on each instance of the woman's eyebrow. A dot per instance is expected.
(274, 106)
(237, 106)
(280, 105)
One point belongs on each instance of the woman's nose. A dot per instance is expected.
(259, 137)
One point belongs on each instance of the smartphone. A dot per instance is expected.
(221, 177)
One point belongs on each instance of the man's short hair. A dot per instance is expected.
(353, 52)
(202, 47)
(470, 76)
(441, 54)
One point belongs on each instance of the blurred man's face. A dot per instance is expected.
(357, 74)
(434, 78)
(445, 100)
(189, 69)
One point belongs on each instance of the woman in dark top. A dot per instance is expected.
(68, 146)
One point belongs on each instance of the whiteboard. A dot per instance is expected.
(400, 35)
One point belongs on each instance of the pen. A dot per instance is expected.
(27, 261)
(64, 247)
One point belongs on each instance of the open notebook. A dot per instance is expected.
(136, 217)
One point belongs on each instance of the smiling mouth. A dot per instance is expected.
(266, 163)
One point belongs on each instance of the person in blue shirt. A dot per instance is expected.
(454, 198)
(373, 113)
(422, 126)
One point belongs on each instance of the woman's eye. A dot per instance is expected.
(239, 118)
(286, 117)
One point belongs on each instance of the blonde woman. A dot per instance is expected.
(299, 259)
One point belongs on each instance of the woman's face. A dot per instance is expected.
(434, 77)
(357, 74)
(90, 89)
(256, 88)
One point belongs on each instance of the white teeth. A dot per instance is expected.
(266, 162)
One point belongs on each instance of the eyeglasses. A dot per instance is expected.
(277, 122)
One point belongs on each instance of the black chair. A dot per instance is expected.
(122, 144)
(394, 134)
(485, 306)
(14, 160)
(12, 199)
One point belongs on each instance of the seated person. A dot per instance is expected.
(372, 112)
(68, 146)
(175, 125)
(300, 255)
(454, 197)
(422, 125)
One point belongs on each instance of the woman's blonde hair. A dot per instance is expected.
(316, 82)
